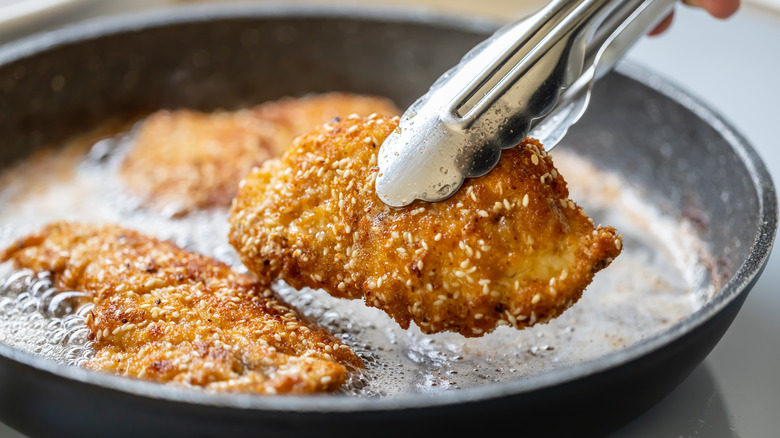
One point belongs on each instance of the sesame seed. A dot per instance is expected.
(525, 200)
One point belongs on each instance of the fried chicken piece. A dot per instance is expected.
(169, 315)
(289, 117)
(186, 160)
(507, 248)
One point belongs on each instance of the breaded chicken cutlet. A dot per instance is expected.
(169, 315)
(507, 248)
(290, 117)
(186, 160)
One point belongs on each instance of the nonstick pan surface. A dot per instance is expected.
(654, 136)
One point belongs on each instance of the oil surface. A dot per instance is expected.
(661, 277)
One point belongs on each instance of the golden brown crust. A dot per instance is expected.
(187, 160)
(169, 315)
(290, 117)
(507, 248)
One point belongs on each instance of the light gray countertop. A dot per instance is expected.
(735, 67)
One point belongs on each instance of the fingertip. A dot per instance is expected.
(663, 25)
(718, 8)
(725, 9)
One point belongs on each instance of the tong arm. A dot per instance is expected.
(500, 91)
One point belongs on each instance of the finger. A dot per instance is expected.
(663, 25)
(716, 8)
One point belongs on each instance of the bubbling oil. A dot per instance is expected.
(42, 320)
(662, 276)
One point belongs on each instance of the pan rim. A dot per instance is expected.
(737, 285)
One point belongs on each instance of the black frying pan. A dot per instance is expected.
(134, 65)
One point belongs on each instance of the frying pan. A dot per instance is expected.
(217, 57)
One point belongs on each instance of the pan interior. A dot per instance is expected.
(639, 161)
(662, 277)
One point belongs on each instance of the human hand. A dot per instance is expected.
(716, 8)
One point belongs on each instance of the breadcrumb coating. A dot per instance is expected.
(165, 314)
(507, 248)
(184, 160)
(290, 117)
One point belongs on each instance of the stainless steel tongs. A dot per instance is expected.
(532, 77)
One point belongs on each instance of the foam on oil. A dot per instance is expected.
(657, 280)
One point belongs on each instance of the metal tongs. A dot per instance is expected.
(532, 77)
